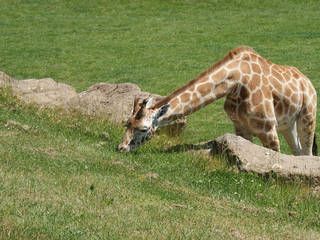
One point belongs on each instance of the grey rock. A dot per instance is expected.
(250, 157)
(112, 101)
(44, 92)
(104, 100)
(6, 81)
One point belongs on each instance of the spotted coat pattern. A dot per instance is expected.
(262, 99)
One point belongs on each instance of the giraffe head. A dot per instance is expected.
(142, 124)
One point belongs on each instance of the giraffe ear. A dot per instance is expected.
(149, 103)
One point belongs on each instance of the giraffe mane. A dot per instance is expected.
(230, 55)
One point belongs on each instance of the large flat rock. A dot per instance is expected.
(250, 157)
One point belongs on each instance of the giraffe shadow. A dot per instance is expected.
(188, 147)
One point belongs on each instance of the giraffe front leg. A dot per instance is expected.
(270, 139)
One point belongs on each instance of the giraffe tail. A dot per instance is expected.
(314, 146)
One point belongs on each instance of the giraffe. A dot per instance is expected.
(262, 99)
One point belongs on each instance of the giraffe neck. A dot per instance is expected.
(209, 86)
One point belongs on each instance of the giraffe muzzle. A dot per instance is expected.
(124, 148)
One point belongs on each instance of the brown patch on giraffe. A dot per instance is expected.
(256, 123)
(276, 68)
(255, 82)
(185, 97)
(265, 80)
(246, 57)
(310, 108)
(275, 83)
(294, 98)
(195, 102)
(234, 75)
(286, 76)
(192, 88)
(257, 97)
(256, 68)
(269, 108)
(266, 91)
(277, 75)
(233, 64)
(279, 109)
(259, 111)
(205, 79)
(287, 92)
(245, 68)
(295, 74)
(264, 66)
(220, 89)
(254, 57)
(205, 89)
(245, 79)
(219, 75)
(174, 103)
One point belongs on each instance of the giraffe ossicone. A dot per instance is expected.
(262, 99)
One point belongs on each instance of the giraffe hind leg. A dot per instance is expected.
(306, 126)
(291, 136)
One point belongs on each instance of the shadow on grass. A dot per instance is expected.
(188, 147)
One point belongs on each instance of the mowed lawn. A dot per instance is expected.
(62, 179)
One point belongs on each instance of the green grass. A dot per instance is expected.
(57, 182)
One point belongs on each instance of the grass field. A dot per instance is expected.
(63, 180)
